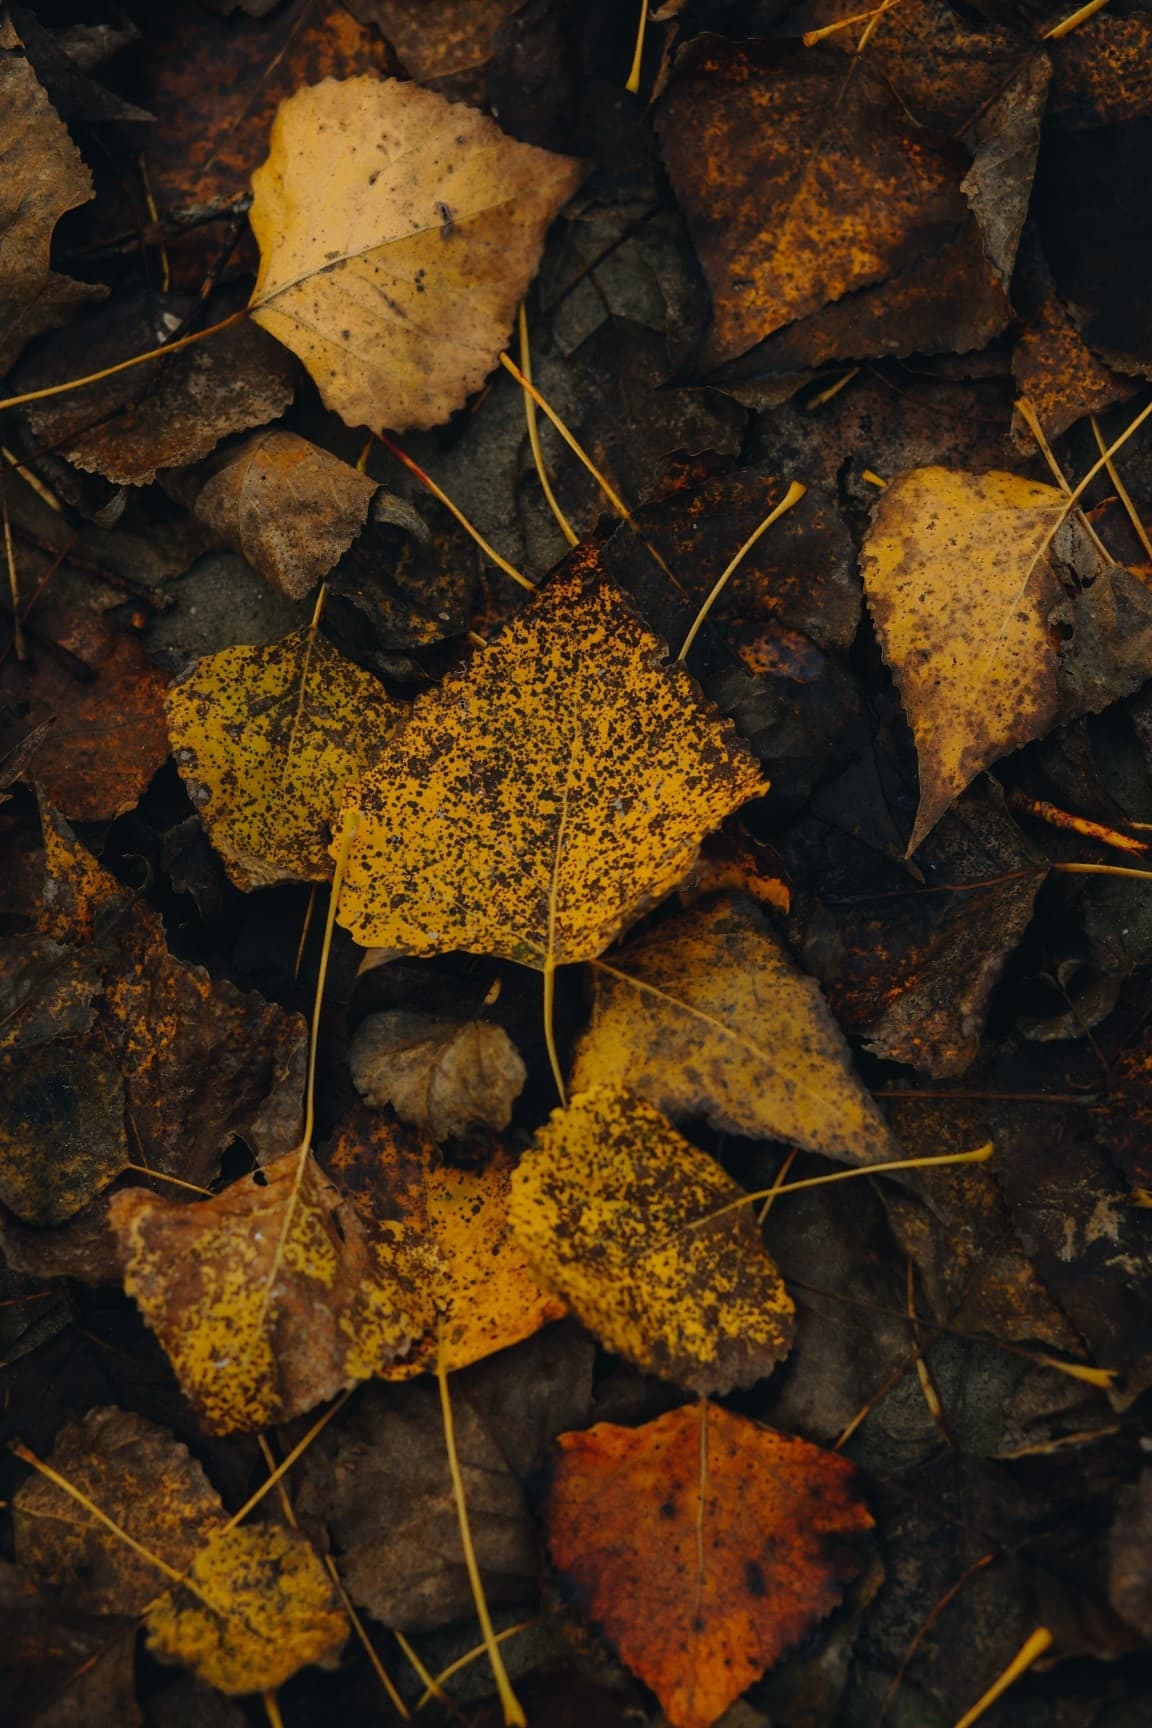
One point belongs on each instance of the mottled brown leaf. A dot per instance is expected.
(445, 1076)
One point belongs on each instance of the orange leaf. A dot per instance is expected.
(704, 1555)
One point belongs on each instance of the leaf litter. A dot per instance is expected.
(811, 778)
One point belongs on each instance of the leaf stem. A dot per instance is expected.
(562, 521)
(549, 974)
(1032, 1647)
(426, 480)
(1121, 490)
(514, 1716)
(633, 83)
(793, 496)
(125, 365)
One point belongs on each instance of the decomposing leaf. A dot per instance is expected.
(104, 704)
(398, 292)
(42, 175)
(615, 1212)
(541, 798)
(707, 1015)
(961, 587)
(443, 1075)
(483, 1296)
(382, 1486)
(1129, 1575)
(1125, 1116)
(166, 1025)
(269, 740)
(288, 507)
(59, 1668)
(1054, 367)
(705, 1545)
(62, 1135)
(456, 41)
(273, 1295)
(256, 1606)
(130, 426)
(799, 184)
(1102, 72)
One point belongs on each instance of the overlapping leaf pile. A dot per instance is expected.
(499, 1295)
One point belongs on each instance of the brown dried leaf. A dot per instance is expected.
(757, 1535)
(799, 184)
(1102, 72)
(288, 507)
(708, 1016)
(382, 1487)
(42, 175)
(445, 1076)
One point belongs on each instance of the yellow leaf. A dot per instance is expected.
(259, 1606)
(268, 1300)
(269, 739)
(288, 507)
(398, 233)
(708, 1016)
(546, 795)
(614, 1210)
(479, 1281)
(960, 586)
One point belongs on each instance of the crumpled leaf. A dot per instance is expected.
(288, 507)
(399, 289)
(274, 1295)
(106, 736)
(707, 1015)
(446, 1076)
(269, 739)
(257, 1605)
(477, 1278)
(382, 1488)
(799, 185)
(614, 1211)
(42, 174)
(541, 798)
(703, 1557)
(961, 585)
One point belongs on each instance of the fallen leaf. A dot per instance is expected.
(382, 1488)
(1102, 72)
(62, 1136)
(288, 507)
(60, 1669)
(456, 41)
(165, 1025)
(708, 1016)
(477, 1280)
(256, 1606)
(1125, 1117)
(1129, 1575)
(960, 586)
(398, 293)
(614, 1211)
(1054, 367)
(273, 1295)
(445, 1076)
(42, 175)
(104, 702)
(269, 741)
(155, 417)
(705, 1545)
(799, 184)
(544, 796)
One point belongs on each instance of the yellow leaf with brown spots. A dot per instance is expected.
(398, 233)
(704, 1545)
(257, 1607)
(543, 797)
(960, 585)
(479, 1281)
(275, 1294)
(269, 740)
(646, 1240)
(708, 1016)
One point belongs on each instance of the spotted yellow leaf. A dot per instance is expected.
(398, 233)
(273, 1295)
(707, 1015)
(540, 799)
(614, 1210)
(268, 740)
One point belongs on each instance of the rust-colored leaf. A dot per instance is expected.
(705, 1545)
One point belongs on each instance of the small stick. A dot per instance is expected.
(1057, 818)
(1073, 21)
(18, 643)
